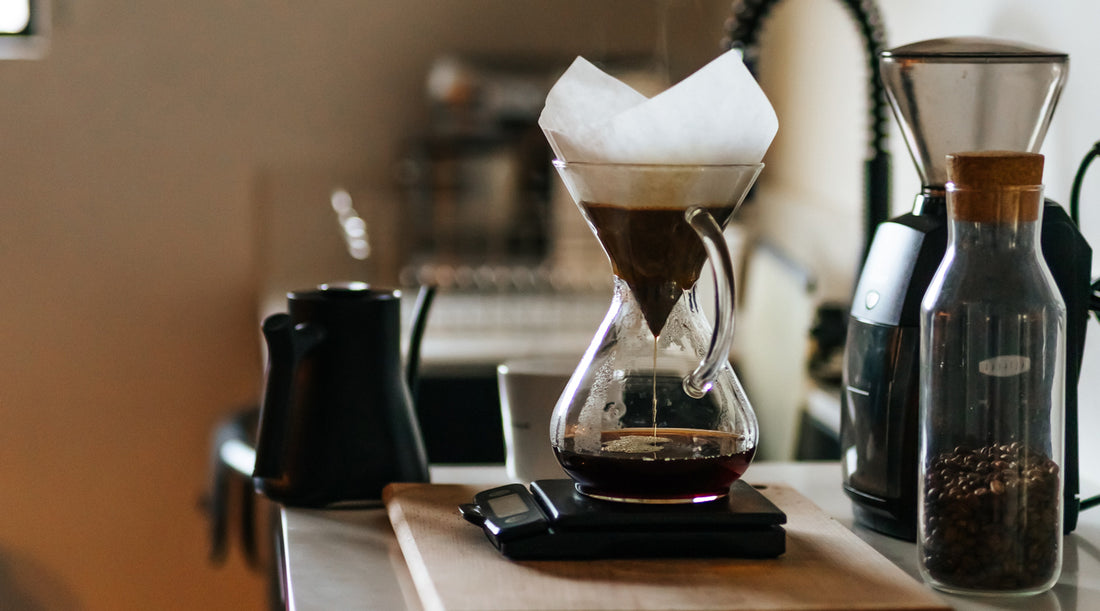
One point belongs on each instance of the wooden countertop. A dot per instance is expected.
(350, 559)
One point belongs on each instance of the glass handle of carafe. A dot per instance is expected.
(698, 382)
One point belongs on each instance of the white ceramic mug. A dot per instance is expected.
(529, 389)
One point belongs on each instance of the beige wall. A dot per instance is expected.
(128, 326)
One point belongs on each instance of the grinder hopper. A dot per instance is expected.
(949, 95)
(970, 94)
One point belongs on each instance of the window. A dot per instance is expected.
(23, 28)
(15, 16)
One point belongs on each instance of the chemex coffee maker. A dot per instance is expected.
(949, 95)
(653, 428)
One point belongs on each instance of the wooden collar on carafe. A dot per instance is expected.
(995, 186)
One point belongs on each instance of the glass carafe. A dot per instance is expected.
(654, 412)
(992, 388)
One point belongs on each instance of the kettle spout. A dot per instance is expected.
(286, 345)
(271, 435)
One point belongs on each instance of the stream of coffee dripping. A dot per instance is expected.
(655, 339)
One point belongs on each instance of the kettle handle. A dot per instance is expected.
(420, 320)
(286, 346)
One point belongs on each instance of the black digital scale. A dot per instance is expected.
(552, 521)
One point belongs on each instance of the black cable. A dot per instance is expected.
(743, 33)
(1078, 179)
(1075, 213)
(1094, 299)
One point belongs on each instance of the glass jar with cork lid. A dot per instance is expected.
(992, 383)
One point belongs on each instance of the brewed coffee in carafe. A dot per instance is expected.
(654, 411)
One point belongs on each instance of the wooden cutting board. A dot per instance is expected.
(825, 567)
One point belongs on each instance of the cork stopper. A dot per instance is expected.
(995, 186)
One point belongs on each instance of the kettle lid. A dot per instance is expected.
(345, 290)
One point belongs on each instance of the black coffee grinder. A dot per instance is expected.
(949, 95)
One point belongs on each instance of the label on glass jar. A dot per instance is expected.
(1005, 366)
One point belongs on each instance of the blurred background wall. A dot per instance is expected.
(128, 162)
(129, 255)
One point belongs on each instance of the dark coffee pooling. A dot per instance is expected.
(654, 250)
(662, 463)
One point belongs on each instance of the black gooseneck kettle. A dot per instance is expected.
(337, 421)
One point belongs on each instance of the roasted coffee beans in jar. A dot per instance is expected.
(992, 383)
(992, 518)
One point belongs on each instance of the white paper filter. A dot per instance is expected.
(717, 115)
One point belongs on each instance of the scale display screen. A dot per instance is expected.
(507, 505)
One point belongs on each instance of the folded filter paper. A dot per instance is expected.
(718, 115)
